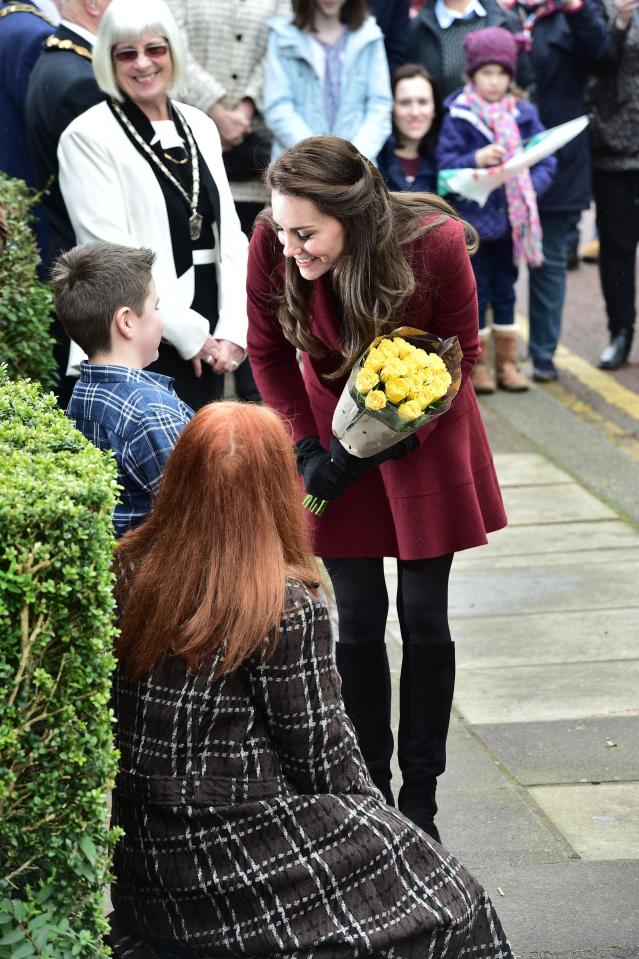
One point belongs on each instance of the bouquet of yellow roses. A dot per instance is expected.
(404, 379)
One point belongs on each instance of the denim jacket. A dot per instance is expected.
(294, 96)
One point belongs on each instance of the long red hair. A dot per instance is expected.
(207, 569)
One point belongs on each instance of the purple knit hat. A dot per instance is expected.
(490, 45)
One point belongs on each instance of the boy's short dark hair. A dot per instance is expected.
(92, 282)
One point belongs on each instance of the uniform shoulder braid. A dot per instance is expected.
(24, 8)
(55, 43)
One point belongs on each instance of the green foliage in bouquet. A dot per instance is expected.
(26, 304)
(57, 493)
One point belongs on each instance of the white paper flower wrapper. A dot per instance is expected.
(365, 432)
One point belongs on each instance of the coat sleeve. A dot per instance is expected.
(286, 125)
(591, 38)
(444, 255)
(96, 204)
(273, 358)
(298, 691)
(203, 90)
(255, 89)
(453, 145)
(376, 127)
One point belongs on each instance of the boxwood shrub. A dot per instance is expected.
(57, 760)
(26, 304)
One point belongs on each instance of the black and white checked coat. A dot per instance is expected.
(252, 827)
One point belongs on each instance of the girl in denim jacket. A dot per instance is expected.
(327, 73)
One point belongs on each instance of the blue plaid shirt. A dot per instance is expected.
(139, 416)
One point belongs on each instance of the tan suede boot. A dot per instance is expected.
(481, 376)
(509, 376)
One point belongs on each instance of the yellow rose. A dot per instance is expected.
(435, 363)
(375, 360)
(426, 397)
(366, 380)
(392, 367)
(411, 361)
(396, 389)
(404, 348)
(421, 357)
(413, 384)
(388, 348)
(409, 410)
(376, 400)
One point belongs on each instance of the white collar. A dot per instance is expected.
(81, 31)
(446, 16)
(49, 8)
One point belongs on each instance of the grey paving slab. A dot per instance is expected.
(488, 591)
(553, 692)
(600, 821)
(556, 503)
(568, 910)
(470, 765)
(582, 635)
(525, 469)
(550, 538)
(572, 751)
(599, 557)
(497, 827)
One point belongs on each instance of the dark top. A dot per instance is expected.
(21, 39)
(62, 86)
(394, 170)
(394, 22)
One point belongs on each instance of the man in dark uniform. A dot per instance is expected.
(23, 30)
(394, 22)
(62, 86)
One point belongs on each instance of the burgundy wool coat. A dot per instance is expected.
(444, 496)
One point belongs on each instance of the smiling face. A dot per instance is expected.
(491, 82)
(414, 109)
(144, 78)
(313, 239)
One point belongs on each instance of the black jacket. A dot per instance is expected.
(62, 86)
(425, 44)
(394, 22)
(567, 48)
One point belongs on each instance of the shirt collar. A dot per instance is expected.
(81, 31)
(109, 373)
(446, 16)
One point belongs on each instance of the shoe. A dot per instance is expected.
(616, 353)
(590, 252)
(544, 371)
(509, 376)
(481, 376)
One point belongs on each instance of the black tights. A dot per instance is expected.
(362, 599)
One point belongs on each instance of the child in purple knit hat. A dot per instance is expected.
(484, 125)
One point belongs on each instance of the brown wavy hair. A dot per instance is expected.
(372, 278)
(353, 13)
(207, 569)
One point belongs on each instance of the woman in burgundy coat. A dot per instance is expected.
(335, 262)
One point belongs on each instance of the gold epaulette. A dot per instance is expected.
(54, 43)
(24, 8)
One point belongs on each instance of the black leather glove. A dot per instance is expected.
(326, 475)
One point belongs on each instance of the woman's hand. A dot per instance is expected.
(206, 354)
(625, 10)
(228, 356)
(492, 155)
(233, 125)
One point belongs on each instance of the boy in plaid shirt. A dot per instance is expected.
(106, 300)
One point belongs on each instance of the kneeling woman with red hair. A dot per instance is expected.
(251, 825)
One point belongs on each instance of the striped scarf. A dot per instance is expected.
(520, 193)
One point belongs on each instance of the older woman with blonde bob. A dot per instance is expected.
(142, 169)
(251, 825)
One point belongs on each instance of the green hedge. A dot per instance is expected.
(26, 304)
(57, 493)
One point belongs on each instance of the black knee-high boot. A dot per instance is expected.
(427, 684)
(366, 688)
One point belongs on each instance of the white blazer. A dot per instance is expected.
(111, 194)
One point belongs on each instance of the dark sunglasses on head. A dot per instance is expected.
(152, 50)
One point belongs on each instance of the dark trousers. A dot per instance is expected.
(617, 199)
(496, 275)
